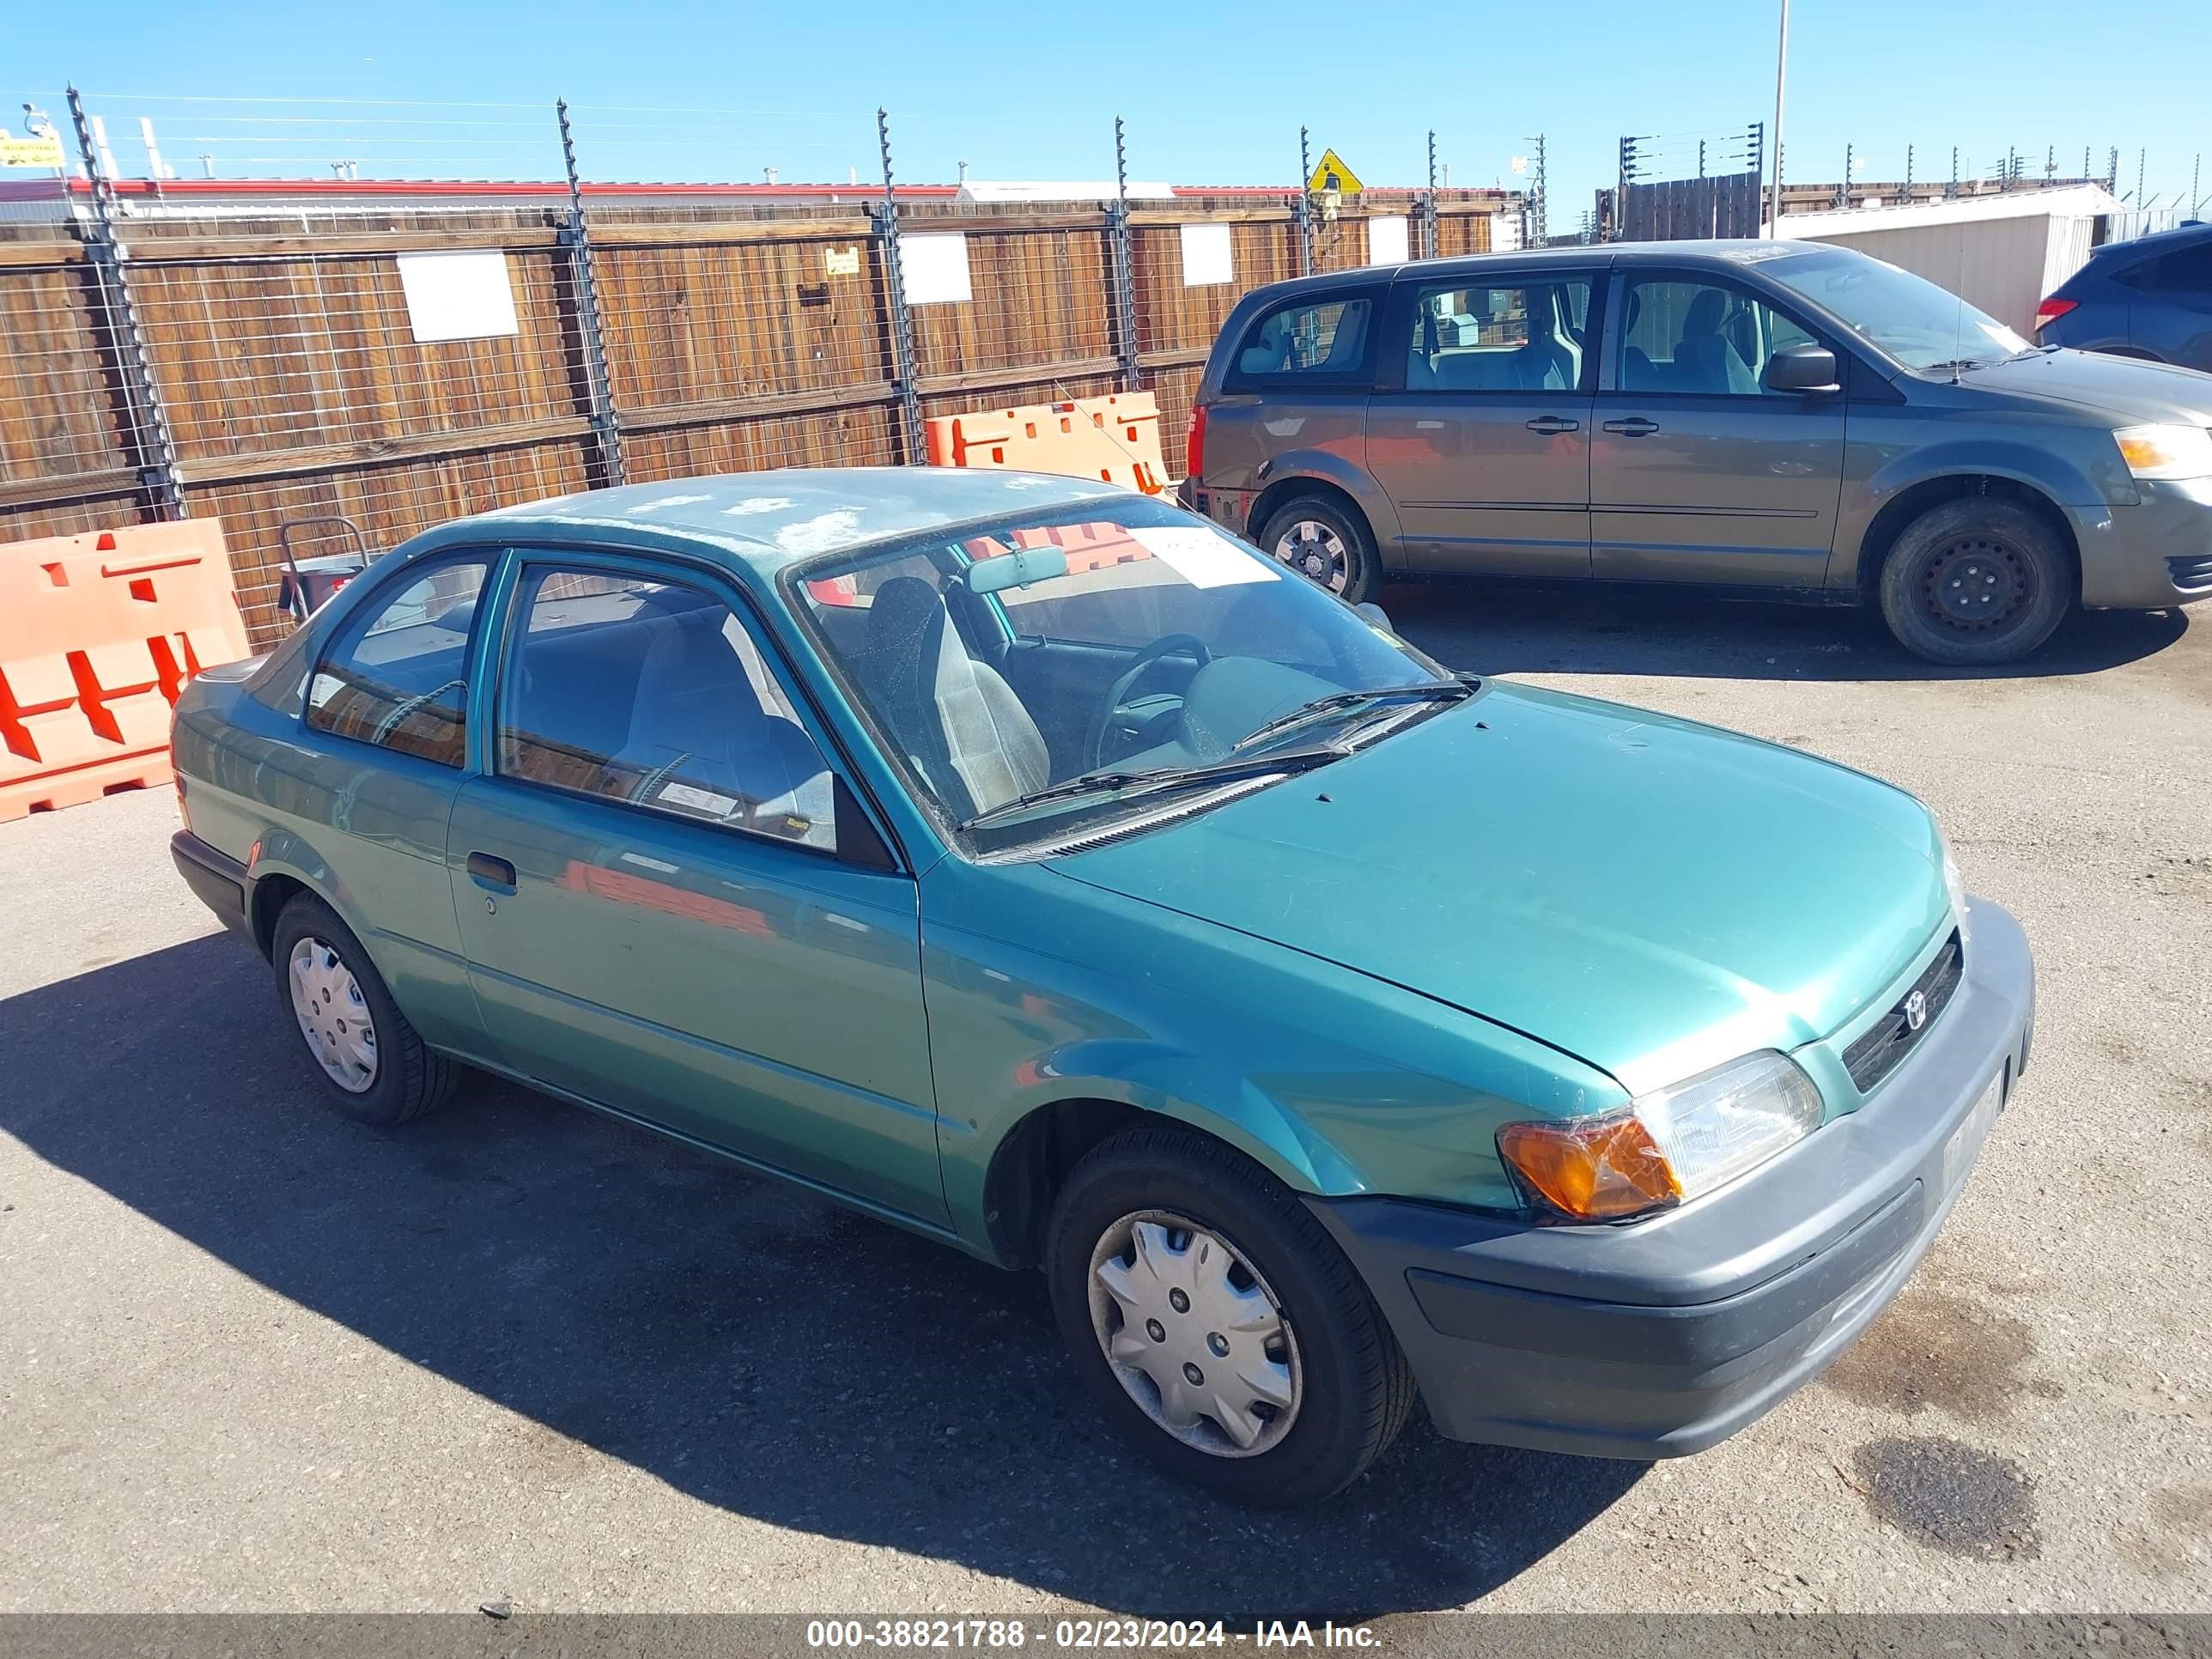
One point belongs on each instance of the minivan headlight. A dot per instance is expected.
(2166, 452)
(1670, 1144)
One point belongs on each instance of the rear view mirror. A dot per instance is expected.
(1801, 368)
(1018, 568)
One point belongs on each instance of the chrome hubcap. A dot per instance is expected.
(1315, 552)
(334, 1015)
(1194, 1334)
(1975, 585)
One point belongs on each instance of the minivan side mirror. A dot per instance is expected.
(1374, 616)
(1801, 368)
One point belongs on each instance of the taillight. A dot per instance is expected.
(2051, 310)
(1194, 465)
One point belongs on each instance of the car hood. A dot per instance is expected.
(2127, 387)
(1648, 895)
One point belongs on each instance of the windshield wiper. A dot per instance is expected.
(1453, 690)
(1152, 780)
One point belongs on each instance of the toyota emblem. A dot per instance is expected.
(1916, 1010)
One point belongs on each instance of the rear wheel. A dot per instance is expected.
(374, 1066)
(1327, 545)
(1217, 1325)
(1976, 581)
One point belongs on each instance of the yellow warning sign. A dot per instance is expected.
(40, 149)
(1333, 175)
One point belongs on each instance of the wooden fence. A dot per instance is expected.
(266, 369)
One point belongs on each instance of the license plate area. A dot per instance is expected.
(1964, 1145)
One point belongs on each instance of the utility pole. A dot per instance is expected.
(1781, 73)
(2142, 155)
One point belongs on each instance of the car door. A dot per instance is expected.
(361, 801)
(1697, 472)
(2170, 313)
(671, 901)
(1479, 428)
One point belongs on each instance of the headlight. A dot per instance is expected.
(1670, 1144)
(1956, 884)
(2166, 452)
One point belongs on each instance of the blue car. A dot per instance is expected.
(2150, 298)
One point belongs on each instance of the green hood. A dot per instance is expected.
(1652, 896)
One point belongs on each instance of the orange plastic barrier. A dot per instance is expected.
(1116, 438)
(98, 635)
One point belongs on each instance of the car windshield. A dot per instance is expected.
(1038, 674)
(1920, 324)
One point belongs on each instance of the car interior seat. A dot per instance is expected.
(1706, 358)
(698, 724)
(957, 721)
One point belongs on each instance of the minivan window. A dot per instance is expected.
(1920, 324)
(1527, 337)
(1322, 337)
(396, 674)
(2184, 270)
(1699, 338)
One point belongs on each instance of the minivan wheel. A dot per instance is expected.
(1976, 581)
(373, 1065)
(1326, 544)
(1216, 1323)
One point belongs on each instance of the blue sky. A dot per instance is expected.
(1212, 93)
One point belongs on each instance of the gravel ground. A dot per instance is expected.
(253, 1358)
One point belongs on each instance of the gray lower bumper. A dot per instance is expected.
(1659, 1338)
(2152, 555)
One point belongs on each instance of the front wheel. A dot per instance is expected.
(1327, 545)
(1217, 1325)
(1975, 582)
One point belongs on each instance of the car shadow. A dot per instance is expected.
(1500, 629)
(765, 1350)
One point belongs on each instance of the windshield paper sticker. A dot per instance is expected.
(1200, 557)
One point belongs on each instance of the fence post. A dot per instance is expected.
(1125, 275)
(1429, 205)
(598, 390)
(153, 449)
(902, 322)
(1303, 215)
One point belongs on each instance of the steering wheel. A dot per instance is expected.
(1136, 670)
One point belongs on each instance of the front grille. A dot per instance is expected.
(2192, 574)
(1877, 1050)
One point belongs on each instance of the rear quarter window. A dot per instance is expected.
(1317, 341)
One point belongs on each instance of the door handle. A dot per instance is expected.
(1552, 425)
(486, 870)
(1635, 427)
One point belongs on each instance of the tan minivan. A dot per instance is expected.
(1783, 419)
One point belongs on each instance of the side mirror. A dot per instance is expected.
(1810, 368)
(1374, 616)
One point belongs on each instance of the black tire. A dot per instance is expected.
(1355, 1389)
(1363, 573)
(409, 1079)
(1977, 545)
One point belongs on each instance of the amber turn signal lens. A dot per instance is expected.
(1595, 1169)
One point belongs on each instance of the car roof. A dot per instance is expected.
(1732, 253)
(758, 522)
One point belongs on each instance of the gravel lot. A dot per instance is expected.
(254, 1358)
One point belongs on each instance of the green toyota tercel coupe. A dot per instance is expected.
(1031, 865)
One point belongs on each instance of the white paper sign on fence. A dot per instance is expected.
(935, 269)
(457, 296)
(1206, 256)
(1385, 241)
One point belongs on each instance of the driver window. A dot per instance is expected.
(397, 673)
(1699, 338)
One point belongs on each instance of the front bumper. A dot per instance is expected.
(1659, 1338)
(2153, 555)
